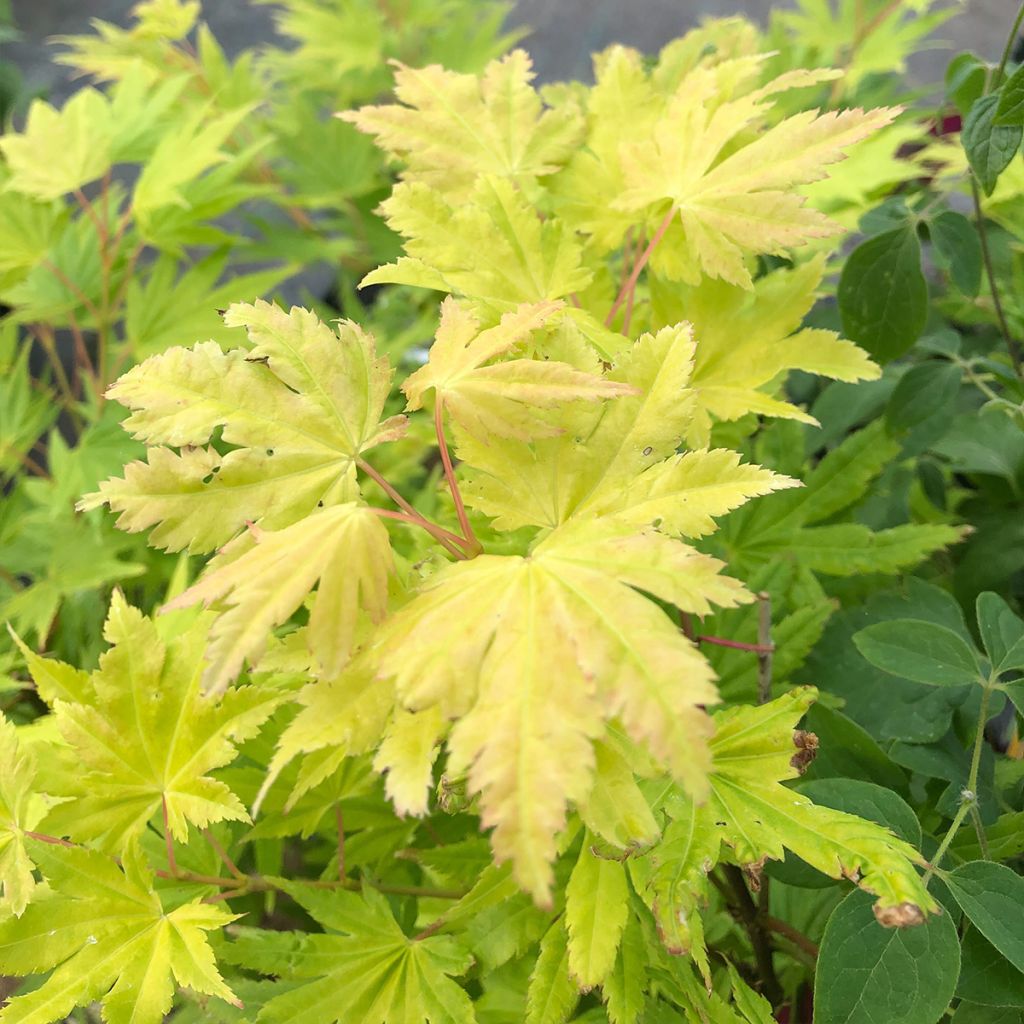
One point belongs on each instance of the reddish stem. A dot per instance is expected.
(414, 516)
(441, 536)
(449, 472)
(339, 821)
(630, 285)
(172, 862)
(223, 854)
(43, 838)
(720, 641)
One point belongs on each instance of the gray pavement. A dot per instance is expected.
(565, 32)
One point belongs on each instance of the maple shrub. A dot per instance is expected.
(440, 732)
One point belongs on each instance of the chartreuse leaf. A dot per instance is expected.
(450, 128)
(867, 973)
(148, 739)
(883, 296)
(483, 639)
(990, 146)
(923, 651)
(500, 399)
(21, 808)
(992, 896)
(751, 817)
(596, 908)
(628, 467)
(625, 986)
(615, 808)
(60, 150)
(298, 407)
(343, 550)
(729, 191)
(53, 679)
(748, 340)
(362, 968)
(495, 250)
(1002, 633)
(190, 148)
(104, 935)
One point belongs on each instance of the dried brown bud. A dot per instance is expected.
(753, 873)
(806, 744)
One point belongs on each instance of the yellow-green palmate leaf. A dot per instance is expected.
(21, 808)
(146, 742)
(297, 407)
(451, 128)
(503, 398)
(102, 932)
(344, 551)
(748, 340)
(530, 657)
(751, 817)
(725, 189)
(363, 967)
(619, 459)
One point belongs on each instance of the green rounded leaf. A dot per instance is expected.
(922, 651)
(883, 296)
(868, 974)
(985, 975)
(1010, 109)
(992, 896)
(990, 147)
(958, 249)
(1002, 632)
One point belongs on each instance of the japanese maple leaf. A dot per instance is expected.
(531, 656)
(449, 128)
(299, 406)
(488, 398)
(21, 808)
(103, 934)
(363, 967)
(148, 740)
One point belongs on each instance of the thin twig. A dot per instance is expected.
(788, 931)
(1013, 347)
(736, 645)
(339, 822)
(72, 287)
(737, 895)
(414, 516)
(223, 854)
(630, 283)
(766, 649)
(172, 862)
(441, 536)
(43, 838)
(453, 484)
(1008, 49)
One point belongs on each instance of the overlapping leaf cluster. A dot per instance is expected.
(476, 613)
